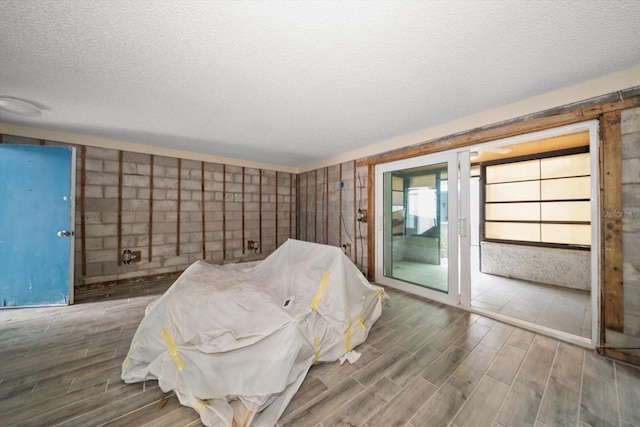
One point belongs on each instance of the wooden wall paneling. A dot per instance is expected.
(244, 243)
(307, 201)
(204, 240)
(627, 355)
(150, 249)
(277, 209)
(355, 214)
(120, 179)
(42, 142)
(298, 205)
(83, 209)
(340, 209)
(612, 283)
(371, 229)
(315, 206)
(514, 127)
(224, 212)
(178, 208)
(290, 203)
(326, 205)
(260, 213)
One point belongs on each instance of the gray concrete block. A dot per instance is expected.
(630, 120)
(631, 171)
(165, 161)
(631, 145)
(102, 153)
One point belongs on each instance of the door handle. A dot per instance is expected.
(65, 233)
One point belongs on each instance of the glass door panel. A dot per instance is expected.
(417, 242)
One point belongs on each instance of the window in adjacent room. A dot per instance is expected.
(540, 201)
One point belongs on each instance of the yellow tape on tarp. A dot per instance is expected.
(323, 283)
(133, 347)
(361, 322)
(173, 350)
(316, 349)
(199, 405)
(347, 345)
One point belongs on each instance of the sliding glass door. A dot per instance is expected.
(417, 240)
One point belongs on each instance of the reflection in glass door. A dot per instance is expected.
(416, 218)
(417, 242)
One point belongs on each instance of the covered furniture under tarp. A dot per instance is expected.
(236, 338)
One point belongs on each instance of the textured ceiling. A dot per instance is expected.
(291, 83)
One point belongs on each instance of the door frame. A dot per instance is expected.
(593, 127)
(452, 158)
(463, 273)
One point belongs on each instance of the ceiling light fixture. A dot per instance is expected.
(19, 107)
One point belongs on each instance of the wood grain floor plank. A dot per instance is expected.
(472, 336)
(334, 373)
(441, 369)
(324, 405)
(483, 404)
(561, 403)
(568, 362)
(443, 405)
(628, 382)
(365, 405)
(379, 367)
(537, 363)
(521, 404)
(412, 366)
(507, 363)
(475, 365)
(404, 406)
(599, 404)
(521, 338)
(497, 336)
(450, 333)
(420, 337)
(114, 407)
(146, 413)
(311, 388)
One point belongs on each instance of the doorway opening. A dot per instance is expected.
(531, 232)
(504, 229)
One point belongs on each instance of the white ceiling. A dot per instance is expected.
(291, 83)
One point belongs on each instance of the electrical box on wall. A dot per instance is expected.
(129, 256)
(362, 215)
(346, 248)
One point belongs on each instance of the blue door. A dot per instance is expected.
(36, 219)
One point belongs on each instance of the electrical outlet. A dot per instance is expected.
(252, 244)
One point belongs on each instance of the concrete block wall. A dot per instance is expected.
(328, 210)
(173, 211)
(630, 129)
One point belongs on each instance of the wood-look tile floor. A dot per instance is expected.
(424, 364)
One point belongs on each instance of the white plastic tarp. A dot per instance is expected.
(229, 332)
